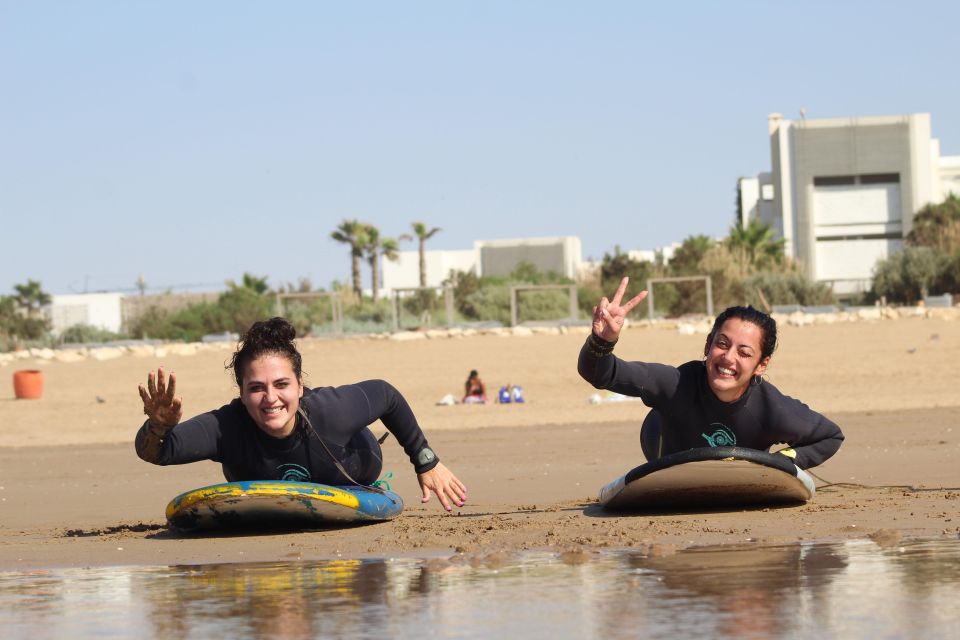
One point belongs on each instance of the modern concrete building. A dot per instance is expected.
(560, 255)
(842, 192)
(488, 257)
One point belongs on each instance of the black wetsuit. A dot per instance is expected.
(339, 415)
(687, 414)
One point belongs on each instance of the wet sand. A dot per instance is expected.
(73, 493)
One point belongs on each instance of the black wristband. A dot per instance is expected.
(425, 460)
(598, 347)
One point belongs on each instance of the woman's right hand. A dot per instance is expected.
(609, 315)
(159, 403)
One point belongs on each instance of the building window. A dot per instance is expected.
(834, 181)
(866, 178)
(880, 178)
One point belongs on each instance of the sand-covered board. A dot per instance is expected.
(710, 477)
(280, 503)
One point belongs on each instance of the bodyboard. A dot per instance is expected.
(280, 503)
(710, 477)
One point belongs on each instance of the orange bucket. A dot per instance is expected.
(28, 384)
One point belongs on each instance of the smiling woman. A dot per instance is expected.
(278, 429)
(721, 400)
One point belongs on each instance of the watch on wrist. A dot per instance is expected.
(425, 457)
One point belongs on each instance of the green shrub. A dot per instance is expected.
(783, 289)
(88, 334)
(906, 276)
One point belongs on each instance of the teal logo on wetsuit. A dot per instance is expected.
(293, 472)
(722, 437)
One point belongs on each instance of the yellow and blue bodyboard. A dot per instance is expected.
(281, 504)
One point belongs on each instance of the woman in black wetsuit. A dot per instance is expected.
(280, 430)
(721, 400)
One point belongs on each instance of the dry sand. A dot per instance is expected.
(72, 491)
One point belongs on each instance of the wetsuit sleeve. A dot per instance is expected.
(650, 381)
(813, 438)
(195, 439)
(379, 400)
(824, 440)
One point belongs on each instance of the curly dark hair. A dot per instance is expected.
(767, 325)
(266, 337)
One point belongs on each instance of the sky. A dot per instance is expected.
(190, 142)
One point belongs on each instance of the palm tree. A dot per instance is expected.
(390, 248)
(374, 247)
(255, 283)
(757, 242)
(420, 230)
(31, 297)
(352, 232)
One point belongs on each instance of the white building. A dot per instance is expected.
(488, 257)
(842, 192)
(101, 310)
(405, 271)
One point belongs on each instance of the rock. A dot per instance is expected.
(105, 353)
(693, 328)
(943, 313)
(869, 314)
(521, 331)
(546, 331)
(142, 351)
(70, 355)
(42, 354)
(407, 336)
(433, 334)
(799, 319)
(182, 349)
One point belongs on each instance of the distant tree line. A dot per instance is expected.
(748, 266)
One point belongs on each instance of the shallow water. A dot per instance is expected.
(852, 590)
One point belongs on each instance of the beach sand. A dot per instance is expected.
(73, 492)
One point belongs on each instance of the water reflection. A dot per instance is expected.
(856, 589)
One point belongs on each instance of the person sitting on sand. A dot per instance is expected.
(278, 429)
(474, 391)
(721, 400)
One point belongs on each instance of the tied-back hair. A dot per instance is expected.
(768, 327)
(266, 337)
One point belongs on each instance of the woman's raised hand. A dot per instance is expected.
(159, 403)
(608, 316)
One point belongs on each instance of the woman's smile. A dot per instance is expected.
(271, 393)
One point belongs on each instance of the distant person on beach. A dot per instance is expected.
(474, 391)
(721, 400)
(278, 429)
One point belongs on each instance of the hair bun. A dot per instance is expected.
(272, 333)
(273, 336)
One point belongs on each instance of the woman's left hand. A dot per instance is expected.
(442, 482)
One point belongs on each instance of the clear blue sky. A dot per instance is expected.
(193, 141)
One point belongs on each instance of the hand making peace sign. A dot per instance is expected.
(608, 316)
